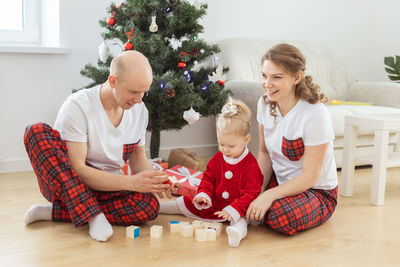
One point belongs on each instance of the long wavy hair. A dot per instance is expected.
(292, 60)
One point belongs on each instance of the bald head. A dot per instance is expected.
(131, 65)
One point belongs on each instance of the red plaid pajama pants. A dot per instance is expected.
(73, 201)
(300, 212)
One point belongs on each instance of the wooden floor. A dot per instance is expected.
(358, 234)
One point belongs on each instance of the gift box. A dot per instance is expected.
(189, 178)
(159, 164)
(185, 158)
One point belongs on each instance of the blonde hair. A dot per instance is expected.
(292, 60)
(234, 118)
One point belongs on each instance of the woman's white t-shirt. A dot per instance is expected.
(82, 118)
(309, 123)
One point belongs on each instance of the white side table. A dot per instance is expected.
(380, 160)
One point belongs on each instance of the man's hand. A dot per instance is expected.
(149, 182)
(223, 214)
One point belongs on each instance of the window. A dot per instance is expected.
(19, 21)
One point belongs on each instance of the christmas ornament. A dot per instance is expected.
(218, 74)
(188, 76)
(174, 43)
(202, 51)
(162, 85)
(168, 10)
(153, 26)
(128, 46)
(111, 21)
(181, 65)
(173, 2)
(221, 83)
(170, 93)
(195, 52)
(191, 116)
(104, 52)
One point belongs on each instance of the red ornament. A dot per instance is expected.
(182, 65)
(111, 21)
(128, 46)
(221, 83)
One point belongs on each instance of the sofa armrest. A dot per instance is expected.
(379, 93)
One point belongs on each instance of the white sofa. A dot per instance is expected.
(243, 57)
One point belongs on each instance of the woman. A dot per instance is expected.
(296, 147)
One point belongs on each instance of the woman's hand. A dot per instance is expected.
(223, 214)
(259, 207)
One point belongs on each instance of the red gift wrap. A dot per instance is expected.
(189, 178)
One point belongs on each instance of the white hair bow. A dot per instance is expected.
(229, 110)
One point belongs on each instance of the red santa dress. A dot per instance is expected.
(229, 184)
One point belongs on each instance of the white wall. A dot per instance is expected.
(33, 86)
(360, 32)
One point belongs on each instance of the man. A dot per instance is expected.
(78, 163)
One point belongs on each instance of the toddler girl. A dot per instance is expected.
(231, 181)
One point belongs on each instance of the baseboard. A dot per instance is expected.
(15, 165)
(22, 165)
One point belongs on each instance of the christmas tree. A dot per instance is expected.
(166, 32)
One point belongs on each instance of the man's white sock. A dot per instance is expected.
(236, 232)
(99, 228)
(38, 212)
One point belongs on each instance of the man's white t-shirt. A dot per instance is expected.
(82, 118)
(309, 123)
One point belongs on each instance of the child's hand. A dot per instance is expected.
(174, 187)
(202, 201)
(223, 214)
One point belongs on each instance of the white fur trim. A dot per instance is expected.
(228, 175)
(233, 161)
(202, 207)
(182, 208)
(235, 215)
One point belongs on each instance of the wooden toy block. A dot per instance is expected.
(217, 227)
(211, 235)
(201, 235)
(174, 226)
(187, 230)
(156, 231)
(197, 222)
(132, 231)
(197, 226)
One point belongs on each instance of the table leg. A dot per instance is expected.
(349, 149)
(397, 144)
(379, 167)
